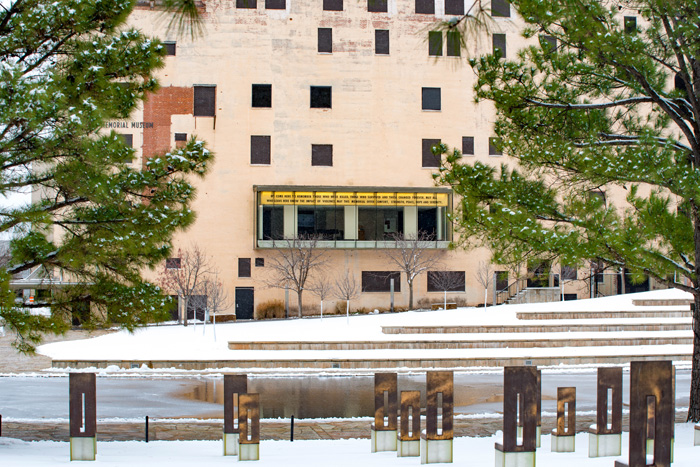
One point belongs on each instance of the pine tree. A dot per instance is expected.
(599, 104)
(65, 69)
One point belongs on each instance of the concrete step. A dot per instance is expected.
(662, 302)
(478, 341)
(403, 360)
(670, 325)
(553, 315)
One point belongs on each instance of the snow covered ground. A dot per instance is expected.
(179, 343)
(477, 452)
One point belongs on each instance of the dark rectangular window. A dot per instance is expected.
(273, 222)
(259, 262)
(430, 159)
(170, 47)
(204, 101)
(377, 6)
(260, 150)
(551, 41)
(247, 4)
(431, 98)
(453, 44)
(454, 7)
(380, 281)
(500, 8)
(322, 155)
(435, 43)
(630, 24)
(321, 97)
(501, 280)
(172, 263)
(276, 4)
(243, 267)
(128, 140)
(495, 147)
(499, 43)
(569, 273)
(468, 145)
(262, 95)
(333, 5)
(325, 40)
(426, 7)
(450, 281)
(381, 41)
(180, 136)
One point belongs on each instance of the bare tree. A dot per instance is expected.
(214, 298)
(323, 288)
(447, 281)
(293, 262)
(483, 275)
(414, 254)
(347, 288)
(183, 275)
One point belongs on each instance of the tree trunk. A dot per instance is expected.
(299, 302)
(410, 295)
(184, 312)
(694, 405)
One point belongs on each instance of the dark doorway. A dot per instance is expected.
(244, 303)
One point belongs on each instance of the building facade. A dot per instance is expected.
(322, 115)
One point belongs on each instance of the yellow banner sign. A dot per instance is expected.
(352, 198)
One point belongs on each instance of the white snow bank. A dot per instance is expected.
(478, 452)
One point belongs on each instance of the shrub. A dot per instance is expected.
(271, 309)
(340, 307)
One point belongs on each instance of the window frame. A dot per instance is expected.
(431, 99)
(384, 287)
(324, 42)
(321, 155)
(260, 149)
(380, 41)
(204, 99)
(261, 96)
(320, 97)
(428, 144)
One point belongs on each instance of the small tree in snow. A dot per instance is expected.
(323, 288)
(292, 263)
(447, 281)
(413, 255)
(483, 276)
(184, 276)
(347, 288)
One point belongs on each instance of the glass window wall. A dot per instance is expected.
(359, 219)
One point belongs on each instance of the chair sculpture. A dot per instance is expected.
(564, 435)
(383, 430)
(651, 413)
(605, 437)
(538, 429)
(83, 416)
(519, 405)
(436, 440)
(234, 386)
(249, 427)
(409, 428)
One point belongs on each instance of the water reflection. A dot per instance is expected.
(342, 396)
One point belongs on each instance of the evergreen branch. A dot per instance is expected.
(621, 102)
(47, 209)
